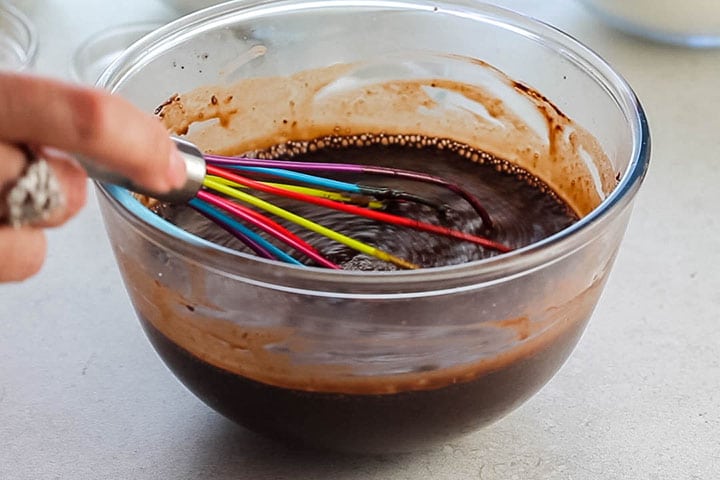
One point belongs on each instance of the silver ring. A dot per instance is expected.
(33, 196)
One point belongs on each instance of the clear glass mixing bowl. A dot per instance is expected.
(389, 360)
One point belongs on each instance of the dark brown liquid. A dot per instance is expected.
(523, 210)
(403, 421)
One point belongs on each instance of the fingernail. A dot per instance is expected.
(177, 174)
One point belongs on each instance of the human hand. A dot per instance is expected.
(55, 120)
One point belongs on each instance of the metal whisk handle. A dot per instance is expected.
(194, 166)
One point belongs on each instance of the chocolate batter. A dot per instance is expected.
(523, 209)
(409, 411)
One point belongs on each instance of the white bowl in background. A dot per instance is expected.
(693, 23)
(187, 6)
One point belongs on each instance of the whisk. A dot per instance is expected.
(219, 188)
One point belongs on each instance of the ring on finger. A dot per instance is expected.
(33, 196)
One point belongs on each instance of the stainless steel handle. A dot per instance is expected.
(194, 166)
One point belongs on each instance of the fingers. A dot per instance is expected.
(70, 175)
(22, 250)
(12, 163)
(22, 253)
(104, 127)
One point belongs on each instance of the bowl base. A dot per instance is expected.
(399, 422)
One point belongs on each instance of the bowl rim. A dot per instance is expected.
(249, 268)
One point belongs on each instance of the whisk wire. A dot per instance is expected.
(382, 193)
(229, 162)
(353, 209)
(257, 243)
(268, 225)
(355, 244)
(362, 200)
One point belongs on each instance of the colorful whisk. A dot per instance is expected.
(220, 188)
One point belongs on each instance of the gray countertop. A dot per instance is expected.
(83, 395)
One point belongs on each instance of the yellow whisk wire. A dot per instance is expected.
(315, 192)
(212, 183)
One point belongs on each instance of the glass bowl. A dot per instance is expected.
(381, 361)
(18, 40)
(695, 23)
